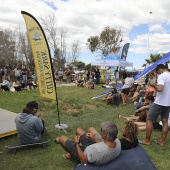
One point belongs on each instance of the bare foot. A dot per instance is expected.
(144, 142)
(67, 156)
(159, 143)
(119, 116)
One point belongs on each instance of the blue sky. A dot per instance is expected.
(85, 18)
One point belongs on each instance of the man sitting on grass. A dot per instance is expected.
(112, 98)
(29, 127)
(91, 146)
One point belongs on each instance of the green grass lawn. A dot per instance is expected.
(77, 109)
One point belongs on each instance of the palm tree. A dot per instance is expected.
(154, 58)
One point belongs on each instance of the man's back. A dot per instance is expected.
(29, 128)
(100, 153)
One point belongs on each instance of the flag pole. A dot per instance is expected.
(43, 62)
(60, 126)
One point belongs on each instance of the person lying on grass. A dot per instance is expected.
(92, 147)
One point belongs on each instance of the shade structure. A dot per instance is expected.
(112, 60)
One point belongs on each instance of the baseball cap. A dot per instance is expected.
(32, 105)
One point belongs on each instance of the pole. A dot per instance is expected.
(60, 126)
(149, 34)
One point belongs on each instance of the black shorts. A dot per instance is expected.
(157, 126)
(125, 90)
(84, 142)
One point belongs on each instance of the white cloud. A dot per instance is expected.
(156, 28)
(85, 18)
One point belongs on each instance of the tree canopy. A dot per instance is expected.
(107, 41)
(153, 58)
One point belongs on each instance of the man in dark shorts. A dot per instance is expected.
(128, 83)
(160, 106)
(92, 147)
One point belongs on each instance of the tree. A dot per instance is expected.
(153, 58)
(107, 41)
(79, 64)
(55, 40)
(75, 52)
(7, 47)
(24, 50)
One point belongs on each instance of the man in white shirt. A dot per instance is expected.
(17, 73)
(128, 83)
(160, 106)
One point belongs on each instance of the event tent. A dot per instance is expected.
(112, 60)
(144, 72)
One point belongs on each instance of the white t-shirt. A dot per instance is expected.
(117, 75)
(128, 82)
(100, 153)
(163, 97)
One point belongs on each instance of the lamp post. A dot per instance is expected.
(149, 33)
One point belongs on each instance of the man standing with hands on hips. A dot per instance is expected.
(160, 106)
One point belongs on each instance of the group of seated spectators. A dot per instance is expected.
(87, 147)
(18, 86)
(89, 84)
(143, 97)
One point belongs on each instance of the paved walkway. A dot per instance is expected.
(65, 84)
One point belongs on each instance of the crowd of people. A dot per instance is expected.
(20, 80)
(151, 100)
(87, 147)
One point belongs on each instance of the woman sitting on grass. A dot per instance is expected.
(90, 84)
(130, 133)
(17, 85)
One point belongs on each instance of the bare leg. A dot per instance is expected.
(141, 125)
(131, 117)
(142, 115)
(92, 130)
(142, 128)
(80, 131)
(62, 139)
(149, 128)
(123, 98)
(164, 132)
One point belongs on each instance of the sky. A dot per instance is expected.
(145, 24)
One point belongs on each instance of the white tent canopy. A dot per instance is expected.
(112, 60)
(112, 63)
